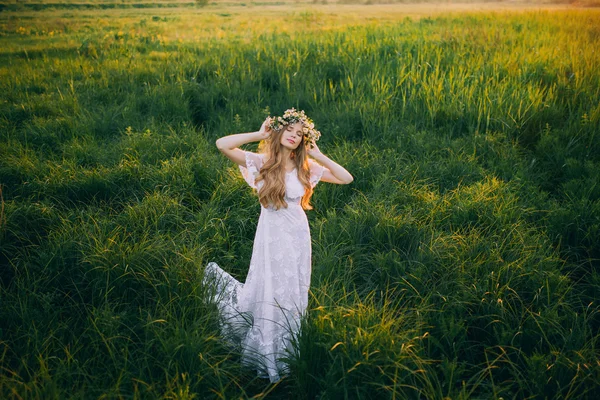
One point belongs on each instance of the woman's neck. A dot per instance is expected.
(288, 162)
(286, 153)
(286, 157)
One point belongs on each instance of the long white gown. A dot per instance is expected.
(262, 314)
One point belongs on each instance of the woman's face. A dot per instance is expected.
(292, 135)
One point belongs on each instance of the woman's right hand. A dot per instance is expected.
(265, 131)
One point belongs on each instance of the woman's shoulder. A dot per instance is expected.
(258, 159)
(255, 156)
(263, 157)
(313, 164)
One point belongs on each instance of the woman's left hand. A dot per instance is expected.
(314, 150)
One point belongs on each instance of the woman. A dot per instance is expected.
(262, 313)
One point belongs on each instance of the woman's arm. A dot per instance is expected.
(333, 172)
(228, 145)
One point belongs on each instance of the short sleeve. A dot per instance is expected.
(254, 163)
(316, 172)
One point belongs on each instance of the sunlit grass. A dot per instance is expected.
(460, 263)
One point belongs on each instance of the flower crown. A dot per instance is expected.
(290, 116)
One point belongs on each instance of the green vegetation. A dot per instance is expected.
(462, 262)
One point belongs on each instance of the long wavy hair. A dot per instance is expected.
(273, 172)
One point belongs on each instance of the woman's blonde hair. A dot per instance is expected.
(273, 172)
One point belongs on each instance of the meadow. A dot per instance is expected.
(461, 262)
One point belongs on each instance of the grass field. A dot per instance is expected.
(462, 262)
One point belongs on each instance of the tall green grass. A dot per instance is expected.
(460, 263)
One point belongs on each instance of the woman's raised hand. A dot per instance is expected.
(313, 150)
(265, 131)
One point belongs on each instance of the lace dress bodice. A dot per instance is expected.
(293, 187)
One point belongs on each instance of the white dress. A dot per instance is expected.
(262, 314)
